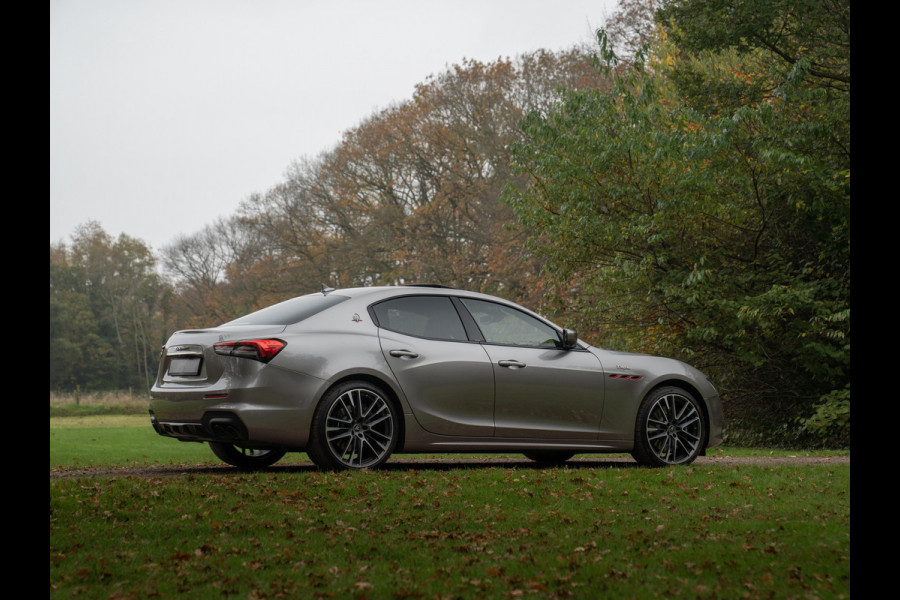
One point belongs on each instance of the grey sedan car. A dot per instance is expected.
(351, 376)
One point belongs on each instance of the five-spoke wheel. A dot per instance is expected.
(670, 428)
(355, 427)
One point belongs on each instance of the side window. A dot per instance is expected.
(504, 325)
(432, 317)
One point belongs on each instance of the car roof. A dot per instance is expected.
(373, 294)
(388, 291)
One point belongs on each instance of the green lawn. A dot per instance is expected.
(471, 531)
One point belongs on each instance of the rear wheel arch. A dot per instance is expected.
(356, 425)
(389, 391)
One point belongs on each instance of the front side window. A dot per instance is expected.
(502, 324)
(432, 317)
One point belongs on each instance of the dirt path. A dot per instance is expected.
(444, 464)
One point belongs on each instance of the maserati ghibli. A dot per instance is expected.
(352, 376)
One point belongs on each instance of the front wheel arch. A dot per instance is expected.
(672, 427)
(690, 388)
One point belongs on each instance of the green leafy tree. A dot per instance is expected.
(79, 356)
(812, 33)
(106, 312)
(701, 209)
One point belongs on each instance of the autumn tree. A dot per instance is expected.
(217, 272)
(412, 193)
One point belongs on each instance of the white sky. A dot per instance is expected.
(166, 114)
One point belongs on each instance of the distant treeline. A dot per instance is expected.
(689, 197)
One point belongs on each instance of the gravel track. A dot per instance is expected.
(442, 464)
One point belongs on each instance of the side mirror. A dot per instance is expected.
(569, 339)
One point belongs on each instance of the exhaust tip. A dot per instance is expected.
(224, 430)
(226, 427)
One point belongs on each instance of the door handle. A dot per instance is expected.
(512, 364)
(403, 354)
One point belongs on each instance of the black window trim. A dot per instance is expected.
(473, 331)
(371, 310)
(540, 319)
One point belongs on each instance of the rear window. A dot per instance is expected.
(290, 311)
(432, 317)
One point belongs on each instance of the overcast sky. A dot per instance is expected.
(166, 114)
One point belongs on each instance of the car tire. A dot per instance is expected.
(549, 457)
(670, 429)
(356, 426)
(246, 458)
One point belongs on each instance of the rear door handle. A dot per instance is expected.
(403, 354)
(512, 364)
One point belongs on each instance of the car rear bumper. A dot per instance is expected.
(213, 427)
(259, 414)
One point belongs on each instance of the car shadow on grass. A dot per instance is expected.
(454, 464)
(398, 464)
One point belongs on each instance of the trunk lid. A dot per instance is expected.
(188, 358)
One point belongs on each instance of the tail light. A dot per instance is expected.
(261, 350)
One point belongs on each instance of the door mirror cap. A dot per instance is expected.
(569, 339)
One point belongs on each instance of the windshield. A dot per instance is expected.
(290, 311)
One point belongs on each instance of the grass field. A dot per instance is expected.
(470, 531)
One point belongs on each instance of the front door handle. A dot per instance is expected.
(403, 354)
(512, 364)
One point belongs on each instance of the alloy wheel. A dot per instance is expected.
(674, 428)
(359, 428)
